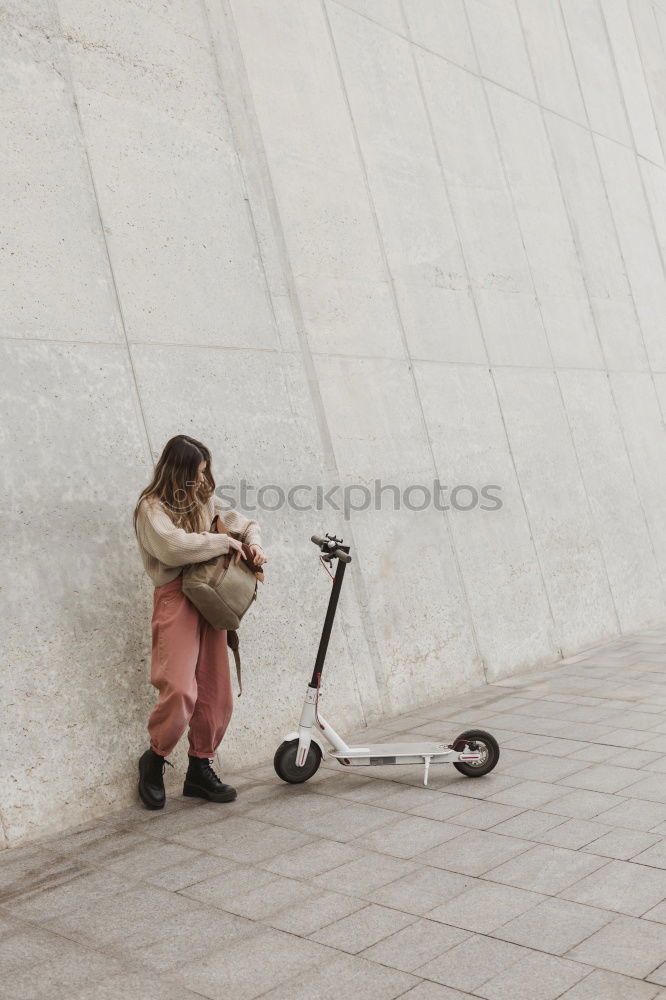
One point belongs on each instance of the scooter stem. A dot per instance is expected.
(328, 621)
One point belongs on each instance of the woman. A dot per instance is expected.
(189, 664)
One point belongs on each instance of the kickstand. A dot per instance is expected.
(426, 761)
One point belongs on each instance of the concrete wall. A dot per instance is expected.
(401, 239)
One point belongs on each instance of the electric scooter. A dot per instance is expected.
(473, 753)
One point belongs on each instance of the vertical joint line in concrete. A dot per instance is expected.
(538, 304)
(483, 80)
(581, 267)
(398, 314)
(648, 203)
(225, 101)
(107, 250)
(645, 78)
(249, 121)
(660, 251)
(463, 254)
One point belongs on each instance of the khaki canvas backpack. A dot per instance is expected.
(222, 590)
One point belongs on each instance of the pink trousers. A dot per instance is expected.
(190, 669)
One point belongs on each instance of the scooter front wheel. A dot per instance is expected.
(285, 762)
(477, 739)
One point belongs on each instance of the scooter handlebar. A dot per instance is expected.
(324, 543)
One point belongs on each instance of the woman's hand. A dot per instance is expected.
(258, 555)
(238, 548)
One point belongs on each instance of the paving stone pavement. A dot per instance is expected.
(545, 879)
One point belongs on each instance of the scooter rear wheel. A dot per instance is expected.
(284, 762)
(489, 748)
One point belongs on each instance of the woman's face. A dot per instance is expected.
(200, 475)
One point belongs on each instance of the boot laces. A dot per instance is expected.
(162, 762)
(206, 765)
(156, 767)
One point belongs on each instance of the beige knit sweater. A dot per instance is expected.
(165, 549)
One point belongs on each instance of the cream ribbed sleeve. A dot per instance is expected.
(174, 546)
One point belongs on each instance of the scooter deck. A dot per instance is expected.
(396, 750)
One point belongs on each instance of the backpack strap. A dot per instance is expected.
(233, 643)
(232, 634)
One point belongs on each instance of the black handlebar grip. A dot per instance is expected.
(335, 553)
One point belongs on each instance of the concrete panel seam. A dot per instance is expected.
(240, 172)
(575, 243)
(477, 74)
(60, 340)
(136, 396)
(242, 349)
(647, 86)
(478, 317)
(634, 150)
(398, 314)
(246, 118)
(655, 234)
(609, 205)
(538, 304)
(496, 366)
(621, 253)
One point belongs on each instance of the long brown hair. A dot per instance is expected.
(174, 482)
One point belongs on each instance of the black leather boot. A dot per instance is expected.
(202, 782)
(151, 779)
